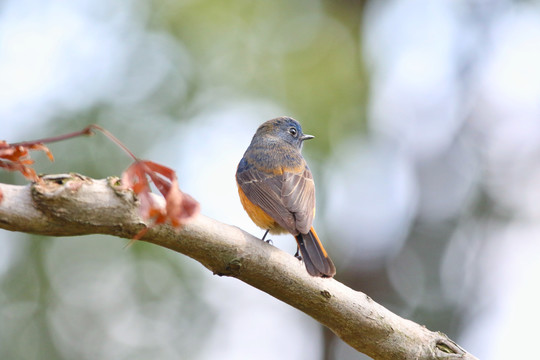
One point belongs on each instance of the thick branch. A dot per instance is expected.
(76, 205)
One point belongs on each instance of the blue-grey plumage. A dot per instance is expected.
(277, 190)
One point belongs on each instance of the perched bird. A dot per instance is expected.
(277, 190)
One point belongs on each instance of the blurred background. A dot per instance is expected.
(426, 159)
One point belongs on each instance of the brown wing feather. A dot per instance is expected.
(298, 194)
(288, 198)
(265, 191)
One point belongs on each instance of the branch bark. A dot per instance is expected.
(72, 204)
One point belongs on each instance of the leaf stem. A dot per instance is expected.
(86, 131)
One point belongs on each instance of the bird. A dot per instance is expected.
(277, 190)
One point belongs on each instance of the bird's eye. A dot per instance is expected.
(293, 131)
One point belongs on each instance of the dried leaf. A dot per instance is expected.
(16, 157)
(179, 207)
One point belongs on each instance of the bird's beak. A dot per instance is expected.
(306, 137)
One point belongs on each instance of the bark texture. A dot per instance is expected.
(71, 204)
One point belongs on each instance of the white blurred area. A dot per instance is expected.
(59, 56)
(454, 114)
(457, 86)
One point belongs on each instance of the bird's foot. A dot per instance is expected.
(269, 241)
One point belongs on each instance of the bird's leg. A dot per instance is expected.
(297, 255)
(269, 241)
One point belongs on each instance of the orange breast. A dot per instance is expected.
(258, 216)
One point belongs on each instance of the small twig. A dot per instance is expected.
(86, 131)
(113, 139)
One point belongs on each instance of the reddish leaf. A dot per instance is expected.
(179, 207)
(16, 157)
(43, 148)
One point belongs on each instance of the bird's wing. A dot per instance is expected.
(298, 194)
(289, 198)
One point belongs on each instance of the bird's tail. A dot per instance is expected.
(315, 257)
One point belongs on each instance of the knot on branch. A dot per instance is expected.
(71, 199)
(232, 268)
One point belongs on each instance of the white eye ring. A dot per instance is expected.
(293, 131)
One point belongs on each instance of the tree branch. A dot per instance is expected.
(71, 204)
